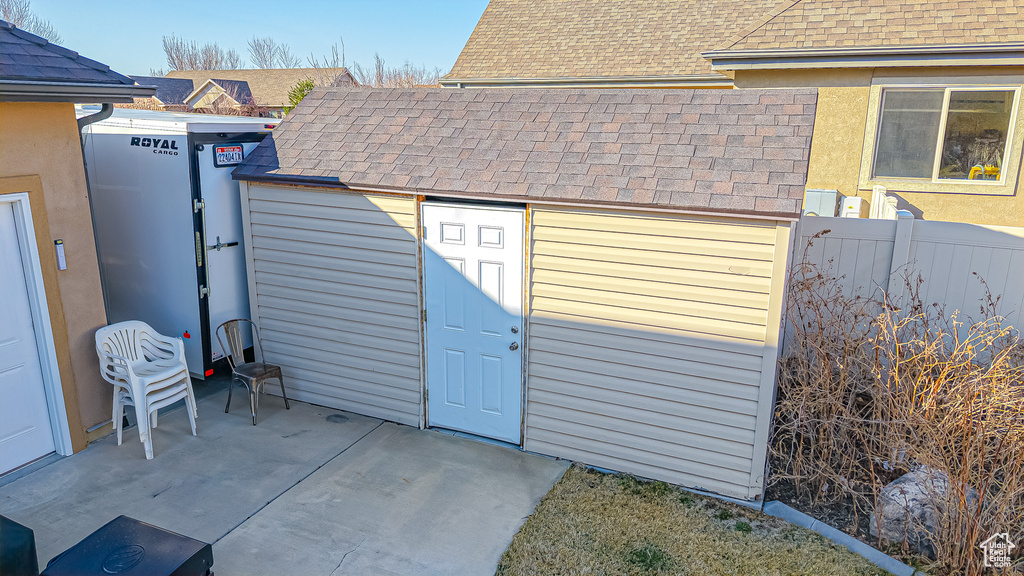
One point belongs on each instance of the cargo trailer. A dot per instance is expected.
(167, 221)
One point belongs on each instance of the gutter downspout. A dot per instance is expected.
(105, 111)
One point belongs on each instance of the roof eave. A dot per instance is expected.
(335, 183)
(1003, 54)
(36, 91)
(663, 81)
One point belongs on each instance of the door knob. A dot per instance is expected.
(513, 346)
(515, 329)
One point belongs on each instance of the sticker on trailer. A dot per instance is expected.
(227, 156)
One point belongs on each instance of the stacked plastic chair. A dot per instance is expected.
(148, 371)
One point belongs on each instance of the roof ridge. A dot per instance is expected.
(748, 30)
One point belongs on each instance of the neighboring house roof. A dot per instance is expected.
(737, 151)
(601, 39)
(268, 87)
(33, 69)
(842, 29)
(236, 90)
(170, 91)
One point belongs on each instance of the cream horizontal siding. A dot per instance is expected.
(333, 280)
(647, 343)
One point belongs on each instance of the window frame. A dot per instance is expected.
(1005, 186)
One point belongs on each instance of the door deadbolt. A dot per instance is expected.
(515, 330)
(513, 346)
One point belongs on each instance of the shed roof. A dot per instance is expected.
(598, 38)
(170, 91)
(31, 68)
(269, 87)
(740, 151)
(892, 23)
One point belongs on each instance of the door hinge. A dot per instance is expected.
(424, 314)
(204, 291)
(197, 205)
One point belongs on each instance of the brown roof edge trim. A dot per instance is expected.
(1010, 53)
(322, 182)
(673, 81)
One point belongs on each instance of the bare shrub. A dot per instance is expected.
(870, 389)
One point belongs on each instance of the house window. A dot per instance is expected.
(974, 126)
(944, 139)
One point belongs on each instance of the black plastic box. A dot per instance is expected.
(132, 548)
(17, 549)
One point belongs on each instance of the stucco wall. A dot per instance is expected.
(839, 127)
(42, 139)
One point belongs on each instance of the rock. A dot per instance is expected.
(911, 506)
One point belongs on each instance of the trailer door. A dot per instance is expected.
(225, 274)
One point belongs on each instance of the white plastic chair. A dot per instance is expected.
(148, 371)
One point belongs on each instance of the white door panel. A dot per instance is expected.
(473, 286)
(229, 290)
(25, 429)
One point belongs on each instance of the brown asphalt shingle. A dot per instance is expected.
(590, 38)
(870, 23)
(707, 150)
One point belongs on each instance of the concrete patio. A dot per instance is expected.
(310, 491)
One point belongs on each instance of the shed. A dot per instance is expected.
(595, 275)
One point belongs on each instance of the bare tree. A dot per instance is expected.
(19, 13)
(325, 71)
(285, 58)
(263, 52)
(267, 53)
(189, 55)
(383, 76)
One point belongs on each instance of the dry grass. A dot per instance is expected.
(602, 524)
(871, 389)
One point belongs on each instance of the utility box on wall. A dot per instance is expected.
(818, 202)
(168, 222)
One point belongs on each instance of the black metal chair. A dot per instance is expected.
(252, 375)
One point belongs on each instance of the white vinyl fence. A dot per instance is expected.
(952, 259)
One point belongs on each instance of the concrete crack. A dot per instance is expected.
(338, 567)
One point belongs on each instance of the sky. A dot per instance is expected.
(127, 35)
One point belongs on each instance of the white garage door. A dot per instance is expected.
(25, 432)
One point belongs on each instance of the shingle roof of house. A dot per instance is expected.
(269, 87)
(894, 23)
(591, 38)
(742, 151)
(170, 91)
(238, 90)
(27, 57)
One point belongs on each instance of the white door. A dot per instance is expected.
(472, 291)
(25, 431)
(225, 251)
